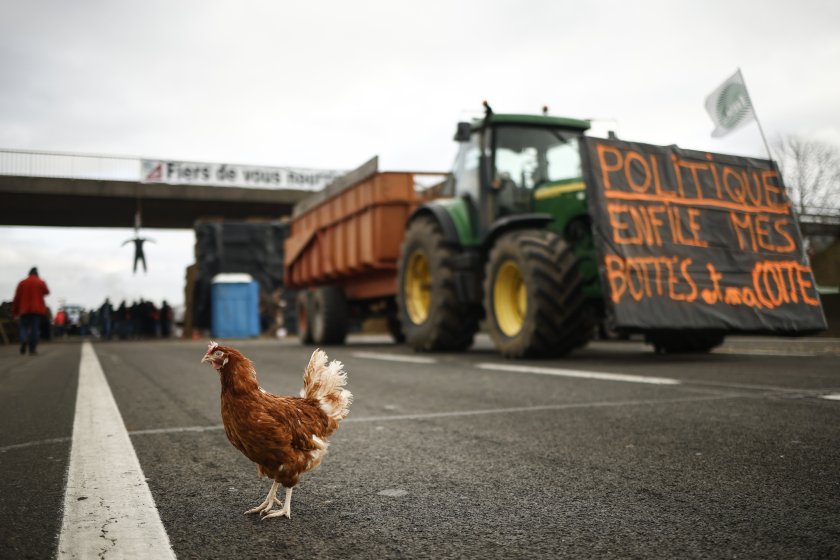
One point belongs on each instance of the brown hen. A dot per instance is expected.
(284, 436)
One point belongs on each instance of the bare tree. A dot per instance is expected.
(811, 172)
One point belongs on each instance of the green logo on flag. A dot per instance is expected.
(733, 105)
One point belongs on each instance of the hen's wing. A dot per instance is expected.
(299, 419)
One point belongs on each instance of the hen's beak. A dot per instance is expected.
(206, 359)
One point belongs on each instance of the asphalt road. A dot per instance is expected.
(614, 452)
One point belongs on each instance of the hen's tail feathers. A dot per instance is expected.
(324, 383)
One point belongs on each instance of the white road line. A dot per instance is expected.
(184, 429)
(768, 353)
(26, 444)
(482, 412)
(542, 408)
(395, 358)
(109, 511)
(831, 397)
(580, 373)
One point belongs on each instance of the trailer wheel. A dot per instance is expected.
(395, 328)
(328, 315)
(533, 296)
(289, 302)
(684, 342)
(303, 302)
(432, 316)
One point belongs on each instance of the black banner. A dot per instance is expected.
(694, 240)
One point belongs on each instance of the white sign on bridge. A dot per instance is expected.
(228, 175)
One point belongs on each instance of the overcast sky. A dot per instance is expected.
(331, 84)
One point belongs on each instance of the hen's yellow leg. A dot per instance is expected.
(268, 503)
(287, 507)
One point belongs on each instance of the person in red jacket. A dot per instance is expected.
(29, 305)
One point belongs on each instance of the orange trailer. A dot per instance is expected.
(343, 246)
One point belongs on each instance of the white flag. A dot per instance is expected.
(730, 106)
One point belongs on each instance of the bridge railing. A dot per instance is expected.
(819, 214)
(69, 166)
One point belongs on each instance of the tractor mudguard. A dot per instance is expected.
(510, 223)
(466, 263)
(441, 216)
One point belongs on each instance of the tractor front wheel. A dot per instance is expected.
(432, 316)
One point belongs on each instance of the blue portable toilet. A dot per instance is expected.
(235, 306)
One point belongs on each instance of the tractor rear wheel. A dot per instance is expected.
(329, 315)
(432, 316)
(533, 296)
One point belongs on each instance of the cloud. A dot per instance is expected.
(331, 84)
(86, 265)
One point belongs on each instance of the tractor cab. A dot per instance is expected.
(509, 165)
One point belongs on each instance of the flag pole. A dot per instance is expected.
(764, 138)
(755, 114)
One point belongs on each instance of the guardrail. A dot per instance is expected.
(69, 166)
(59, 165)
(823, 215)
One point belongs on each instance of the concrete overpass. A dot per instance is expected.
(820, 221)
(77, 190)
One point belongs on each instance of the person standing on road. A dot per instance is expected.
(105, 313)
(60, 322)
(29, 306)
(165, 320)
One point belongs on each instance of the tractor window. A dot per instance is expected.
(464, 178)
(528, 157)
(563, 162)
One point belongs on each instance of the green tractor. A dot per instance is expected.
(524, 236)
(509, 241)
